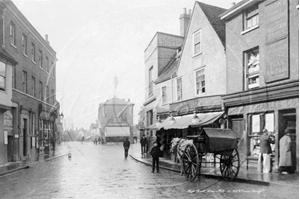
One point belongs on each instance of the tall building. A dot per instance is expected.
(34, 108)
(262, 49)
(115, 119)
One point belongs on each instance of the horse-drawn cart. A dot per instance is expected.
(222, 143)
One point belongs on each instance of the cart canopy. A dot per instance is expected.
(219, 139)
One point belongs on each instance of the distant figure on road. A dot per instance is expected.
(82, 139)
(143, 145)
(126, 145)
(99, 140)
(155, 153)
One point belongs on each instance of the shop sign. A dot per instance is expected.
(281, 104)
(277, 40)
(8, 120)
(190, 105)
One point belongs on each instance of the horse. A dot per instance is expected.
(178, 146)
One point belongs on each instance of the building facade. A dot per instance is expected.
(115, 119)
(34, 106)
(6, 118)
(262, 49)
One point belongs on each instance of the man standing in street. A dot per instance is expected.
(155, 153)
(126, 145)
(264, 162)
(143, 145)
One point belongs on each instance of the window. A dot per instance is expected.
(258, 123)
(14, 76)
(24, 81)
(150, 81)
(2, 76)
(197, 43)
(53, 69)
(47, 64)
(40, 59)
(200, 81)
(164, 94)
(12, 33)
(251, 17)
(252, 69)
(33, 86)
(41, 90)
(33, 52)
(179, 88)
(47, 94)
(24, 44)
(53, 96)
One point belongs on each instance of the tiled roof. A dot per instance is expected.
(212, 13)
(7, 56)
(168, 71)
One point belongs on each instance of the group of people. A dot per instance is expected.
(155, 151)
(285, 155)
(97, 140)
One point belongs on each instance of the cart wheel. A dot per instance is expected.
(190, 162)
(230, 165)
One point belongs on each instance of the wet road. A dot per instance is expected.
(102, 172)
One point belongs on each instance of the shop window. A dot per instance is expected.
(2, 76)
(258, 122)
(164, 96)
(179, 88)
(252, 68)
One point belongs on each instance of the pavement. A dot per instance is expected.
(244, 175)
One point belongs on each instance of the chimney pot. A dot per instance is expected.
(184, 10)
(233, 3)
(189, 12)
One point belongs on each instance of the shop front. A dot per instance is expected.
(258, 113)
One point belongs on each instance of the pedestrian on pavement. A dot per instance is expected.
(155, 153)
(99, 140)
(264, 162)
(285, 158)
(143, 144)
(126, 145)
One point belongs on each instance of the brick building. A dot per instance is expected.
(262, 51)
(34, 106)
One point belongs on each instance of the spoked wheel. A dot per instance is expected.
(230, 165)
(190, 162)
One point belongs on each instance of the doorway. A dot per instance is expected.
(287, 120)
(24, 137)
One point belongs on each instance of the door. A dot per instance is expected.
(10, 149)
(237, 126)
(25, 137)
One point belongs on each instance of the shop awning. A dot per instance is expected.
(157, 126)
(186, 121)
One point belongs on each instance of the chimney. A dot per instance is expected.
(233, 4)
(46, 38)
(184, 22)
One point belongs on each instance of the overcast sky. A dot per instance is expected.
(96, 40)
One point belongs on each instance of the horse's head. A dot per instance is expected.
(174, 143)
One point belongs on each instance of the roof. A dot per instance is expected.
(237, 7)
(6, 55)
(168, 71)
(212, 13)
(116, 101)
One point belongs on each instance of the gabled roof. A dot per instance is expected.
(212, 13)
(169, 70)
(6, 55)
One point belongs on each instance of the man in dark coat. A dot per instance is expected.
(155, 152)
(126, 145)
(265, 150)
(143, 144)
